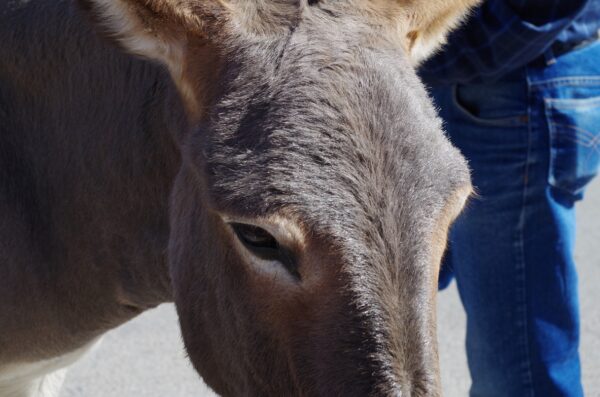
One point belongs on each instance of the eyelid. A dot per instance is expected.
(264, 252)
(238, 228)
(284, 229)
(290, 263)
(277, 253)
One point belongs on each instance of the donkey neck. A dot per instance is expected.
(89, 136)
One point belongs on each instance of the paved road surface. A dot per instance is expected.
(145, 357)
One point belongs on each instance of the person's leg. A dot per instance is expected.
(565, 115)
(486, 245)
(511, 250)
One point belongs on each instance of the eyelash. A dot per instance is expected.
(271, 251)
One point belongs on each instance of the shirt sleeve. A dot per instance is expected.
(501, 36)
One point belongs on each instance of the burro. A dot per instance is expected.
(275, 168)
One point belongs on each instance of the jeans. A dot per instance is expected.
(533, 143)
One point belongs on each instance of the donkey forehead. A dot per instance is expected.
(331, 138)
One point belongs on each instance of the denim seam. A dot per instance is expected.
(578, 135)
(577, 103)
(573, 133)
(560, 81)
(521, 276)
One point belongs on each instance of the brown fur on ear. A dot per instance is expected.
(155, 28)
(151, 28)
(186, 35)
(429, 21)
(167, 31)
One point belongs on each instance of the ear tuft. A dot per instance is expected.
(168, 31)
(429, 22)
(155, 29)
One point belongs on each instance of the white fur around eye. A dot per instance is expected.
(269, 268)
(272, 269)
(286, 232)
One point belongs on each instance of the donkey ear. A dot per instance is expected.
(429, 21)
(168, 31)
(157, 29)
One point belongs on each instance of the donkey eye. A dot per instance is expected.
(257, 240)
(263, 245)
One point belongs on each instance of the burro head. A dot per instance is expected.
(316, 188)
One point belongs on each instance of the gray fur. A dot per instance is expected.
(316, 124)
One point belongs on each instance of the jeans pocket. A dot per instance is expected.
(499, 105)
(574, 126)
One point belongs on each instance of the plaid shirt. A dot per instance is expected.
(503, 35)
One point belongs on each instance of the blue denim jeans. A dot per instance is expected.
(533, 143)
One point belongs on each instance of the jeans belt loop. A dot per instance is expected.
(558, 49)
(549, 57)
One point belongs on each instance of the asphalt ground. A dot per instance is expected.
(146, 358)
